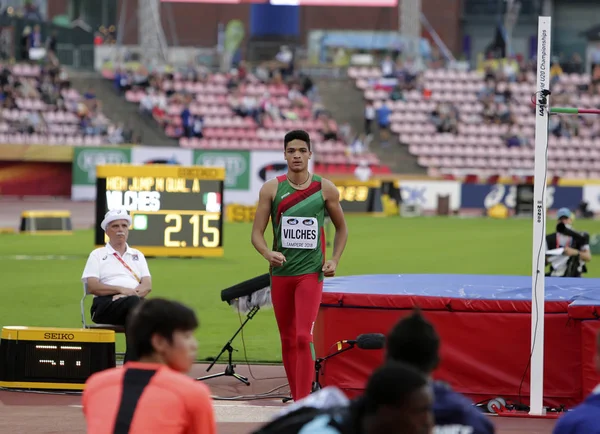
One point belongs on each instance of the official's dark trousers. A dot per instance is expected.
(106, 311)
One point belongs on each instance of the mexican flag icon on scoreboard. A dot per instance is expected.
(212, 201)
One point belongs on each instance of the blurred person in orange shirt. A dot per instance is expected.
(152, 394)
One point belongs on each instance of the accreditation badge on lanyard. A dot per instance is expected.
(116, 255)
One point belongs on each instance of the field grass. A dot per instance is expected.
(38, 291)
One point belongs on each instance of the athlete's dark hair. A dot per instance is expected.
(413, 340)
(391, 385)
(157, 316)
(296, 135)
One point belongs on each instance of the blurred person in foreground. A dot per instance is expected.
(397, 400)
(585, 418)
(116, 274)
(572, 262)
(414, 341)
(152, 395)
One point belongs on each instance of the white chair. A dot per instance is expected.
(115, 328)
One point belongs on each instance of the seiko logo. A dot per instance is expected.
(59, 336)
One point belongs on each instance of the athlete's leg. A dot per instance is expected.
(282, 296)
(308, 300)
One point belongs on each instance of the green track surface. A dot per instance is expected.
(36, 290)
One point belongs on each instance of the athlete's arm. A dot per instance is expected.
(336, 214)
(261, 220)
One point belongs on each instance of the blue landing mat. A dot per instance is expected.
(579, 291)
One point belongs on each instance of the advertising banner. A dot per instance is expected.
(425, 193)
(591, 195)
(85, 160)
(23, 178)
(485, 196)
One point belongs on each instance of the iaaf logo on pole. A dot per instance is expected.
(235, 165)
(88, 160)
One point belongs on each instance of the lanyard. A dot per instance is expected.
(116, 255)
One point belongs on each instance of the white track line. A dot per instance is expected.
(239, 413)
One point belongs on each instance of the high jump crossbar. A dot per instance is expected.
(542, 114)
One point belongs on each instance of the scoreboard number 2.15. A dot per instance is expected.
(176, 211)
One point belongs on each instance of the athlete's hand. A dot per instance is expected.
(329, 268)
(276, 259)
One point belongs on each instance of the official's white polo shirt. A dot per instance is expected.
(103, 265)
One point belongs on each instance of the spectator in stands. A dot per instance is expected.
(51, 43)
(369, 117)
(414, 340)
(187, 121)
(513, 137)
(24, 43)
(35, 38)
(383, 121)
(296, 98)
(327, 127)
(445, 118)
(583, 418)
(285, 57)
(388, 69)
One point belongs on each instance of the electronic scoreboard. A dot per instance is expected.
(360, 197)
(176, 211)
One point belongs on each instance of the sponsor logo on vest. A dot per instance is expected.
(308, 222)
(292, 221)
(59, 336)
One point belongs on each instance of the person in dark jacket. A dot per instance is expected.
(397, 400)
(585, 418)
(413, 340)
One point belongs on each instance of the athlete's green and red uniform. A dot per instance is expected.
(296, 287)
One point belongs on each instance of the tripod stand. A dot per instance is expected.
(316, 386)
(230, 368)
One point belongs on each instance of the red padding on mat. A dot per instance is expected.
(584, 312)
(484, 355)
(386, 301)
(589, 373)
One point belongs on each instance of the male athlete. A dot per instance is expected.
(296, 203)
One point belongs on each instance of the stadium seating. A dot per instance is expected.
(222, 129)
(478, 148)
(26, 117)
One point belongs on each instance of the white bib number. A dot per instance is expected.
(299, 233)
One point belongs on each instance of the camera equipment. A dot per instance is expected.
(369, 341)
(245, 297)
(582, 238)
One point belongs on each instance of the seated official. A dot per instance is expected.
(153, 394)
(116, 275)
(585, 418)
(572, 262)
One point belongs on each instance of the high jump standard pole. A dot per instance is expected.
(542, 114)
